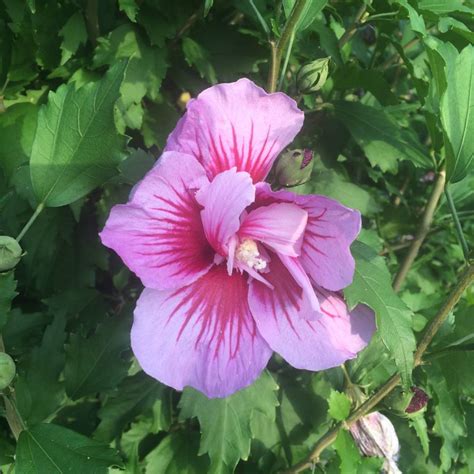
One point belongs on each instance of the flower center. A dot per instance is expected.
(247, 253)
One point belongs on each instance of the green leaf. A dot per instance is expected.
(196, 55)
(383, 140)
(135, 395)
(130, 8)
(74, 34)
(418, 423)
(177, 454)
(349, 455)
(416, 20)
(38, 389)
(442, 7)
(207, 6)
(7, 293)
(96, 363)
(76, 146)
(17, 128)
(372, 285)
(51, 449)
(225, 422)
(457, 115)
(310, 11)
(339, 405)
(448, 416)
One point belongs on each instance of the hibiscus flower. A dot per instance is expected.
(233, 270)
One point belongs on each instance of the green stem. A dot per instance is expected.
(457, 224)
(280, 45)
(287, 60)
(429, 333)
(30, 222)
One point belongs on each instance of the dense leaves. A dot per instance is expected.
(89, 92)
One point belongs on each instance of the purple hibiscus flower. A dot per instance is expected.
(232, 270)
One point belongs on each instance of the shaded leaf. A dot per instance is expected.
(96, 363)
(225, 422)
(381, 138)
(51, 449)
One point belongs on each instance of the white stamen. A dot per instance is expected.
(247, 253)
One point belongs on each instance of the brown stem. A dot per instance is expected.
(279, 47)
(14, 420)
(423, 230)
(465, 281)
(350, 32)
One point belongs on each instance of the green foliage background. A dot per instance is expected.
(89, 91)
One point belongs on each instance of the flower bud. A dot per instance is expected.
(375, 435)
(406, 404)
(418, 401)
(294, 167)
(312, 76)
(7, 370)
(10, 253)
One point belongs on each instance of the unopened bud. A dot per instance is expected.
(375, 435)
(7, 370)
(406, 403)
(294, 167)
(10, 253)
(312, 76)
(418, 401)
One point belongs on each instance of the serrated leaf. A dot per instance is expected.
(76, 146)
(38, 388)
(135, 395)
(196, 55)
(74, 33)
(418, 423)
(372, 285)
(225, 422)
(383, 140)
(448, 416)
(130, 8)
(457, 115)
(96, 363)
(339, 405)
(177, 454)
(7, 293)
(52, 449)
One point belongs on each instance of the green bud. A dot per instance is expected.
(10, 253)
(7, 370)
(407, 403)
(312, 76)
(294, 167)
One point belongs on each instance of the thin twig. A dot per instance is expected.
(350, 32)
(457, 224)
(465, 281)
(423, 230)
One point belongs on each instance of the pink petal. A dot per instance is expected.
(237, 124)
(312, 343)
(201, 336)
(224, 200)
(280, 226)
(159, 234)
(330, 231)
(293, 265)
